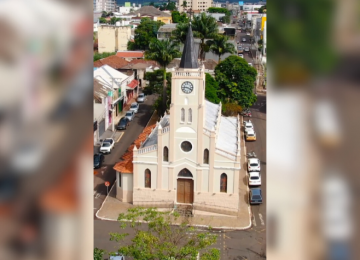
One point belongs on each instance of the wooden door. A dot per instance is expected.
(185, 191)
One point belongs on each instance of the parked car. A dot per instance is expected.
(240, 49)
(98, 160)
(253, 165)
(255, 196)
(254, 179)
(247, 49)
(248, 125)
(117, 257)
(248, 33)
(130, 115)
(123, 123)
(244, 39)
(141, 98)
(134, 107)
(250, 135)
(107, 145)
(241, 55)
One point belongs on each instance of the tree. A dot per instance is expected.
(204, 27)
(104, 14)
(179, 34)
(152, 4)
(102, 20)
(211, 88)
(262, 9)
(225, 19)
(184, 5)
(98, 253)
(220, 45)
(98, 56)
(144, 34)
(219, 10)
(179, 18)
(163, 52)
(162, 240)
(236, 81)
(113, 20)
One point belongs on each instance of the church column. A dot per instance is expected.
(198, 179)
(135, 170)
(171, 179)
(160, 157)
(212, 160)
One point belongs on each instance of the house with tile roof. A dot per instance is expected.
(153, 13)
(131, 55)
(190, 156)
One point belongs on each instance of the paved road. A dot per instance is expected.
(106, 172)
(234, 245)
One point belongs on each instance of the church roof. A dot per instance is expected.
(152, 139)
(227, 135)
(189, 58)
(211, 114)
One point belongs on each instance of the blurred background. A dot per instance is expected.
(46, 180)
(313, 125)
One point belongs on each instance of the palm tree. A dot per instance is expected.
(179, 34)
(220, 46)
(163, 52)
(204, 27)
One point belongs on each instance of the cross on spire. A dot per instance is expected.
(190, 12)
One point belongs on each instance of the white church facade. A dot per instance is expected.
(191, 156)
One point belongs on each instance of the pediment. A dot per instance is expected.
(185, 129)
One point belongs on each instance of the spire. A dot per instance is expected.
(189, 56)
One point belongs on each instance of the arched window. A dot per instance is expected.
(147, 178)
(206, 156)
(166, 154)
(182, 115)
(223, 183)
(190, 116)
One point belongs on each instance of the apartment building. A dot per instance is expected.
(200, 5)
(105, 5)
(112, 38)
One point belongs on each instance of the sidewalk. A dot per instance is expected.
(112, 207)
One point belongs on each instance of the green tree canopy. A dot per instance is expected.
(162, 240)
(211, 88)
(103, 20)
(163, 52)
(204, 27)
(113, 20)
(99, 56)
(144, 34)
(225, 19)
(220, 45)
(219, 10)
(179, 34)
(179, 18)
(236, 81)
(262, 9)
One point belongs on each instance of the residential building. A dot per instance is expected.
(217, 4)
(249, 7)
(191, 156)
(166, 30)
(120, 89)
(217, 16)
(152, 13)
(128, 9)
(200, 5)
(112, 38)
(113, 61)
(131, 55)
(140, 67)
(105, 5)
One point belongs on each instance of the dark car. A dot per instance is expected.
(255, 196)
(123, 123)
(98, 160)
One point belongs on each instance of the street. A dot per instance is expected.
(234, 245)
(106, 172)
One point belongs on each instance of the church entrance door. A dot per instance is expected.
(185, 191)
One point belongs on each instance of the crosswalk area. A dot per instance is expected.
(258, 220)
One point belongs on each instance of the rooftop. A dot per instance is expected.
(150, 10)
(152, 139)
(106, 75)
(130, 54)
(167, 27)
(227, 135)
(113, 61)
(211, 114)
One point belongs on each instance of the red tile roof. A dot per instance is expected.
(113, 61)
(133, 83)
(126, 166)
(130, 54)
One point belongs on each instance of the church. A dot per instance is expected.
(191, 156)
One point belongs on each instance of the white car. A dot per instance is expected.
(134, 107)
(107, 145)
(241, 55)
(247, 33)
(254, 179)
(253, 165)
(243, 39)
(141, 98)
(130, 115)
(248, 125)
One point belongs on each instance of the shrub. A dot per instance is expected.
(231, 109)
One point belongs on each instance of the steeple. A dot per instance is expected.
(189, 56)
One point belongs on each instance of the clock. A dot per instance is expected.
(187, 87)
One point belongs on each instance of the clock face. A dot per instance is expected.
(187, 87)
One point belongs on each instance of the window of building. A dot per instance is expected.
(182, 115)
(147, 178)
(186, 146)
(190, 116)
(166, 154)
(223, 183)
(206, 156)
